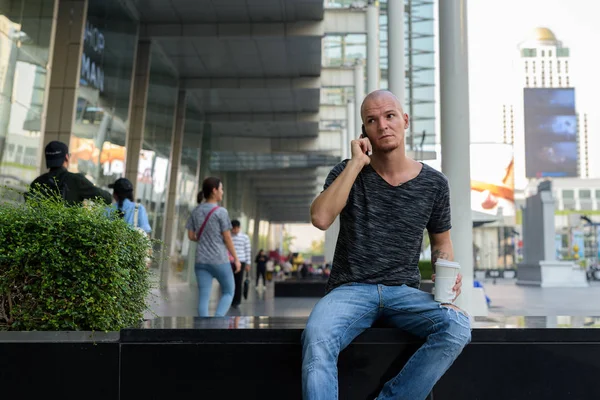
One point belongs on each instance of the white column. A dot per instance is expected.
(395, 13)
(359, 90)
(373, 71)
(455, 137)
(351, 133)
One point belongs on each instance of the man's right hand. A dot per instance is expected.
(359, 148)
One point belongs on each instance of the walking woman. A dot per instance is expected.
(133, 213)
(261, 267)
(210, 226)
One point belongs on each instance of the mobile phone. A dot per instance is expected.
(364, 135)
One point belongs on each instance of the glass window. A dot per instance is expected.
(355, 48)
(585, 194)
(332, 51)
(569, 204)
(543, 53)
(25, 29)
(568, 194)
(564, 52)
(188, 187)
(528, 52)
(98, 139)
(153, 165)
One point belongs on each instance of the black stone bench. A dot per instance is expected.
(300, 287)
(315, 287)
(260, 358)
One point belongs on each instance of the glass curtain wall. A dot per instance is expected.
(419, 61)
(183, 256)
(98, 139)
(154, 161)
(25, 30)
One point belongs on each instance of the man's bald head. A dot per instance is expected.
(378, 95)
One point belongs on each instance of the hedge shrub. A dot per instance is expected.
(69, 267)
(426, 269)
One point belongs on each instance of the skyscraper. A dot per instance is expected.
(544, 60)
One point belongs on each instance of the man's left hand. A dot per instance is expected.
(457, 286)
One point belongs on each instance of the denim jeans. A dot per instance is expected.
(224, 275)
(344, 313)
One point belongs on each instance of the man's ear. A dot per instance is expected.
(406, 121)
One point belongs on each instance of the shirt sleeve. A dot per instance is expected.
(224, 221)
(333, 174)
(248, 249)
(190, 226)
(440, 220)
(87, 190)
(143, 219)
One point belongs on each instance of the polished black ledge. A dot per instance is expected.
(289, 329)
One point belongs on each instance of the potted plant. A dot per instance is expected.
(70, 267)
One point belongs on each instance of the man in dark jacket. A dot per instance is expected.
(74, 188)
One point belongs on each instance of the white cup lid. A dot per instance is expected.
(445, 263)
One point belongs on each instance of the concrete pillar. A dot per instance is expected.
(173, 174)
(373, 70)
(66, 49)
(351, 132)
(137, 110)
(395, 14)
(256, 232)
(205, 150)
(359, 91)
(455, 137)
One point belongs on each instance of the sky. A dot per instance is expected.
(495, 29)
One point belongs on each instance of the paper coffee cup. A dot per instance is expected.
(446, 269)
(446, 273)
(442, 292)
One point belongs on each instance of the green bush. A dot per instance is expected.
(69, 267)
(426, 269)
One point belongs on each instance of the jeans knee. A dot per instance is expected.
(455, 331)
(318, 344)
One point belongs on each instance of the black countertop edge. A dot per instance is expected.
(59, 337)
(373, 336)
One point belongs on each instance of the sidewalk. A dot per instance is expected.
(507, 299)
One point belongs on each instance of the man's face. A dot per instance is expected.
(235, 230)
(384, 123)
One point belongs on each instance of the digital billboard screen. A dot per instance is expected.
(550, 133)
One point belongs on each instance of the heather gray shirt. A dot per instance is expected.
(381, 227)
(211, 247)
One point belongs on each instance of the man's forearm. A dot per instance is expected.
(329, 204)
(443, 251)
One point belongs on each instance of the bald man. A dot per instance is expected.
(385, 202)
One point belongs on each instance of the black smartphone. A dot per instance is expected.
(364, 135)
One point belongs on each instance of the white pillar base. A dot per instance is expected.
(562, 274)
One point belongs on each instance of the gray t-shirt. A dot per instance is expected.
(381, 227)
(211, 247)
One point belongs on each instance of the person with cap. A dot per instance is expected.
(73, 188)
(133, 213)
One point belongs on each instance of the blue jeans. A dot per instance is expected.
(348, 310)
(224, 275)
